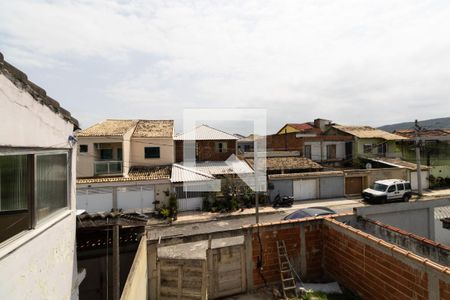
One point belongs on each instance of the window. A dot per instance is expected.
(307, 151)
(83, 148)
(400, 186)
(221, 147)
(407, 186)
(119, 154)
(391, 189)
(331, 151)
(367, 148)
(106, 154)
(151, 152)
(32, 187)
(382, 148)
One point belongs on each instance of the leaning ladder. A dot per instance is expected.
(286, 272)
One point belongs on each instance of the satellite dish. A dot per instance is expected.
(368, 166)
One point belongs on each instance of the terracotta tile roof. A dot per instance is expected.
(153, 128)
(368, 132)
(205, 132)
(21, 81)
(108, 128)
(135, 174)
(288, 163)
(301, 127)
(410, 133)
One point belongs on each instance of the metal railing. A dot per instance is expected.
(107, 167)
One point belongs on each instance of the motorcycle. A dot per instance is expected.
(285, 201)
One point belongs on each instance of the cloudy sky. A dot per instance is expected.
(354, 62)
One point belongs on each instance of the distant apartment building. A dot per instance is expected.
(37, 192)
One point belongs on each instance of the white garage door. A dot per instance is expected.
(136, 198)
(95, 199)
(190, 204)
(424, 179)
(305, 189)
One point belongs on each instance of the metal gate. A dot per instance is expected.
(353, 185)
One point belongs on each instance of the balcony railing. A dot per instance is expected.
(107, 167)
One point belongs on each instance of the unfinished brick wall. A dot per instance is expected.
(444, 290)
(291, 233)
(206, 150)
(370, 272)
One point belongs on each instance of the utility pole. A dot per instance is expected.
(257, 206)
(417, 129)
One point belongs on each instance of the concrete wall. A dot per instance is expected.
(137, 153)
(414, 217)
(39, 263)
(136, 285)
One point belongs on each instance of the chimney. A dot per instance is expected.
(322, 124)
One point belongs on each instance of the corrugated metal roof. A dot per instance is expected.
(153, 128)
(306, 174)
(397, 162)
(290, 162)
(108, 128)
(442, 212)
(222, 168)
(184, 174)
(368, 132)
(205, 132)
(135, 174)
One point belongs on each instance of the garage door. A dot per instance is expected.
(331, 187)
(190, 204)
(305, 189)
(95, 199)
(136, 197)
(353, 185)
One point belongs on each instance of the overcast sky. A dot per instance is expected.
(354, 62)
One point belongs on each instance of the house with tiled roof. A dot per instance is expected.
(125, 164)
(435, 152)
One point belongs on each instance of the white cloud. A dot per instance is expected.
(353, 61)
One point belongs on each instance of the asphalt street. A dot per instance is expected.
(178, 230)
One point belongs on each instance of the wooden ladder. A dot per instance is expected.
(287, 276)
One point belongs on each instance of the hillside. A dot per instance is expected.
(427, 124)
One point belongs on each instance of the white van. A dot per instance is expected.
(388, 190)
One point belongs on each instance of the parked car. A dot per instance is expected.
(310, 212)
(388, 190)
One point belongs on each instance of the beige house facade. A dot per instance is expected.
(112, 147)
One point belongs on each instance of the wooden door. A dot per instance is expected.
(353, 185)
(227, 272)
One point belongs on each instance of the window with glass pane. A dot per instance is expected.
(14, 183)
(51, 184)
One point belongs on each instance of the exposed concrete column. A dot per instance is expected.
(248, 239)
(114, 198)
(116, 261)
(431, 223)
(433, 286)
(152, 271)
(302, 250)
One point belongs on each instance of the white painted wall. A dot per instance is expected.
(424, 179)
(39, 263)
(316, 153)
(26, 122)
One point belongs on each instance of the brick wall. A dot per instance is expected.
(444, 290)
(309, 266)
(289, 142)
(370, 272)
(207, 150)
